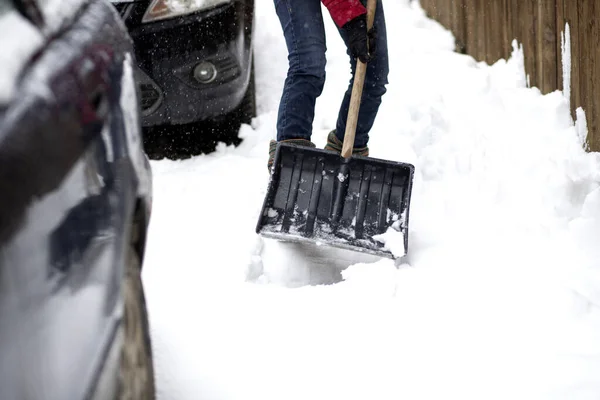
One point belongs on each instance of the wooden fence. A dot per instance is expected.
(485, 30)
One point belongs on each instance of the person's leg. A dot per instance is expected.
(374, 88)
(302, 23)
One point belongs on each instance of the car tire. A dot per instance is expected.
(136, 376)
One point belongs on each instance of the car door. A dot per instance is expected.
(71, 177)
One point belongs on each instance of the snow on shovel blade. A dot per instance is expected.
(358, 203)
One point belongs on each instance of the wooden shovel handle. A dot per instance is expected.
(357, 89)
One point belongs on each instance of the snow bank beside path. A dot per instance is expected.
(499, 297)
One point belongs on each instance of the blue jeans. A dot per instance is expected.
(304, 31)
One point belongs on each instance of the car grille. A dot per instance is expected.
(150, 97)
(228, 68)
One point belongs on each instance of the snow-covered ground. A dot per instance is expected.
(499, 297)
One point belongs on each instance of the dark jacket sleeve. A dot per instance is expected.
(343, 11)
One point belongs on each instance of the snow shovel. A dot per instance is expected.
(344, 201)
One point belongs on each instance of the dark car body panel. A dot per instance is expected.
(168, 50)
(72, 176)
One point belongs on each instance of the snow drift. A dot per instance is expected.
(498, 298)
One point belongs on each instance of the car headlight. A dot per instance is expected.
(163, 9)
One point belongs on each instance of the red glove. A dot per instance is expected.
(343, 11)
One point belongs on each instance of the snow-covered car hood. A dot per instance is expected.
(20, 39)
(58, 13)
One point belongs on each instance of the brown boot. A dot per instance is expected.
(273, 148)
(334, 144)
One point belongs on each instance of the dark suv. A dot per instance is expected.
(194, 58)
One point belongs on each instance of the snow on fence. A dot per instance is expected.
(485, 30)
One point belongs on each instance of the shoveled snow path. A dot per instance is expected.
(498, 299)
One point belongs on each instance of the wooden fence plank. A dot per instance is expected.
(560, 27)
(583, 57)
(459, 24)
(572, 17)
(547, 58)
(480, 29)
(589, 74)
(471, 23)
(489, 31)
(428, 6)
(508, 23)
(444, 15)
(584, 66)
(507, 32)
(515, 24)
(496, 41)
(525, 20)
(594, 76)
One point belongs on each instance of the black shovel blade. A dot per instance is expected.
(319, 197)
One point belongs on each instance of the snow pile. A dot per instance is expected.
(498, 298)
(393, 240)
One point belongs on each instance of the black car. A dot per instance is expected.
(75, 201)
(194, 58)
